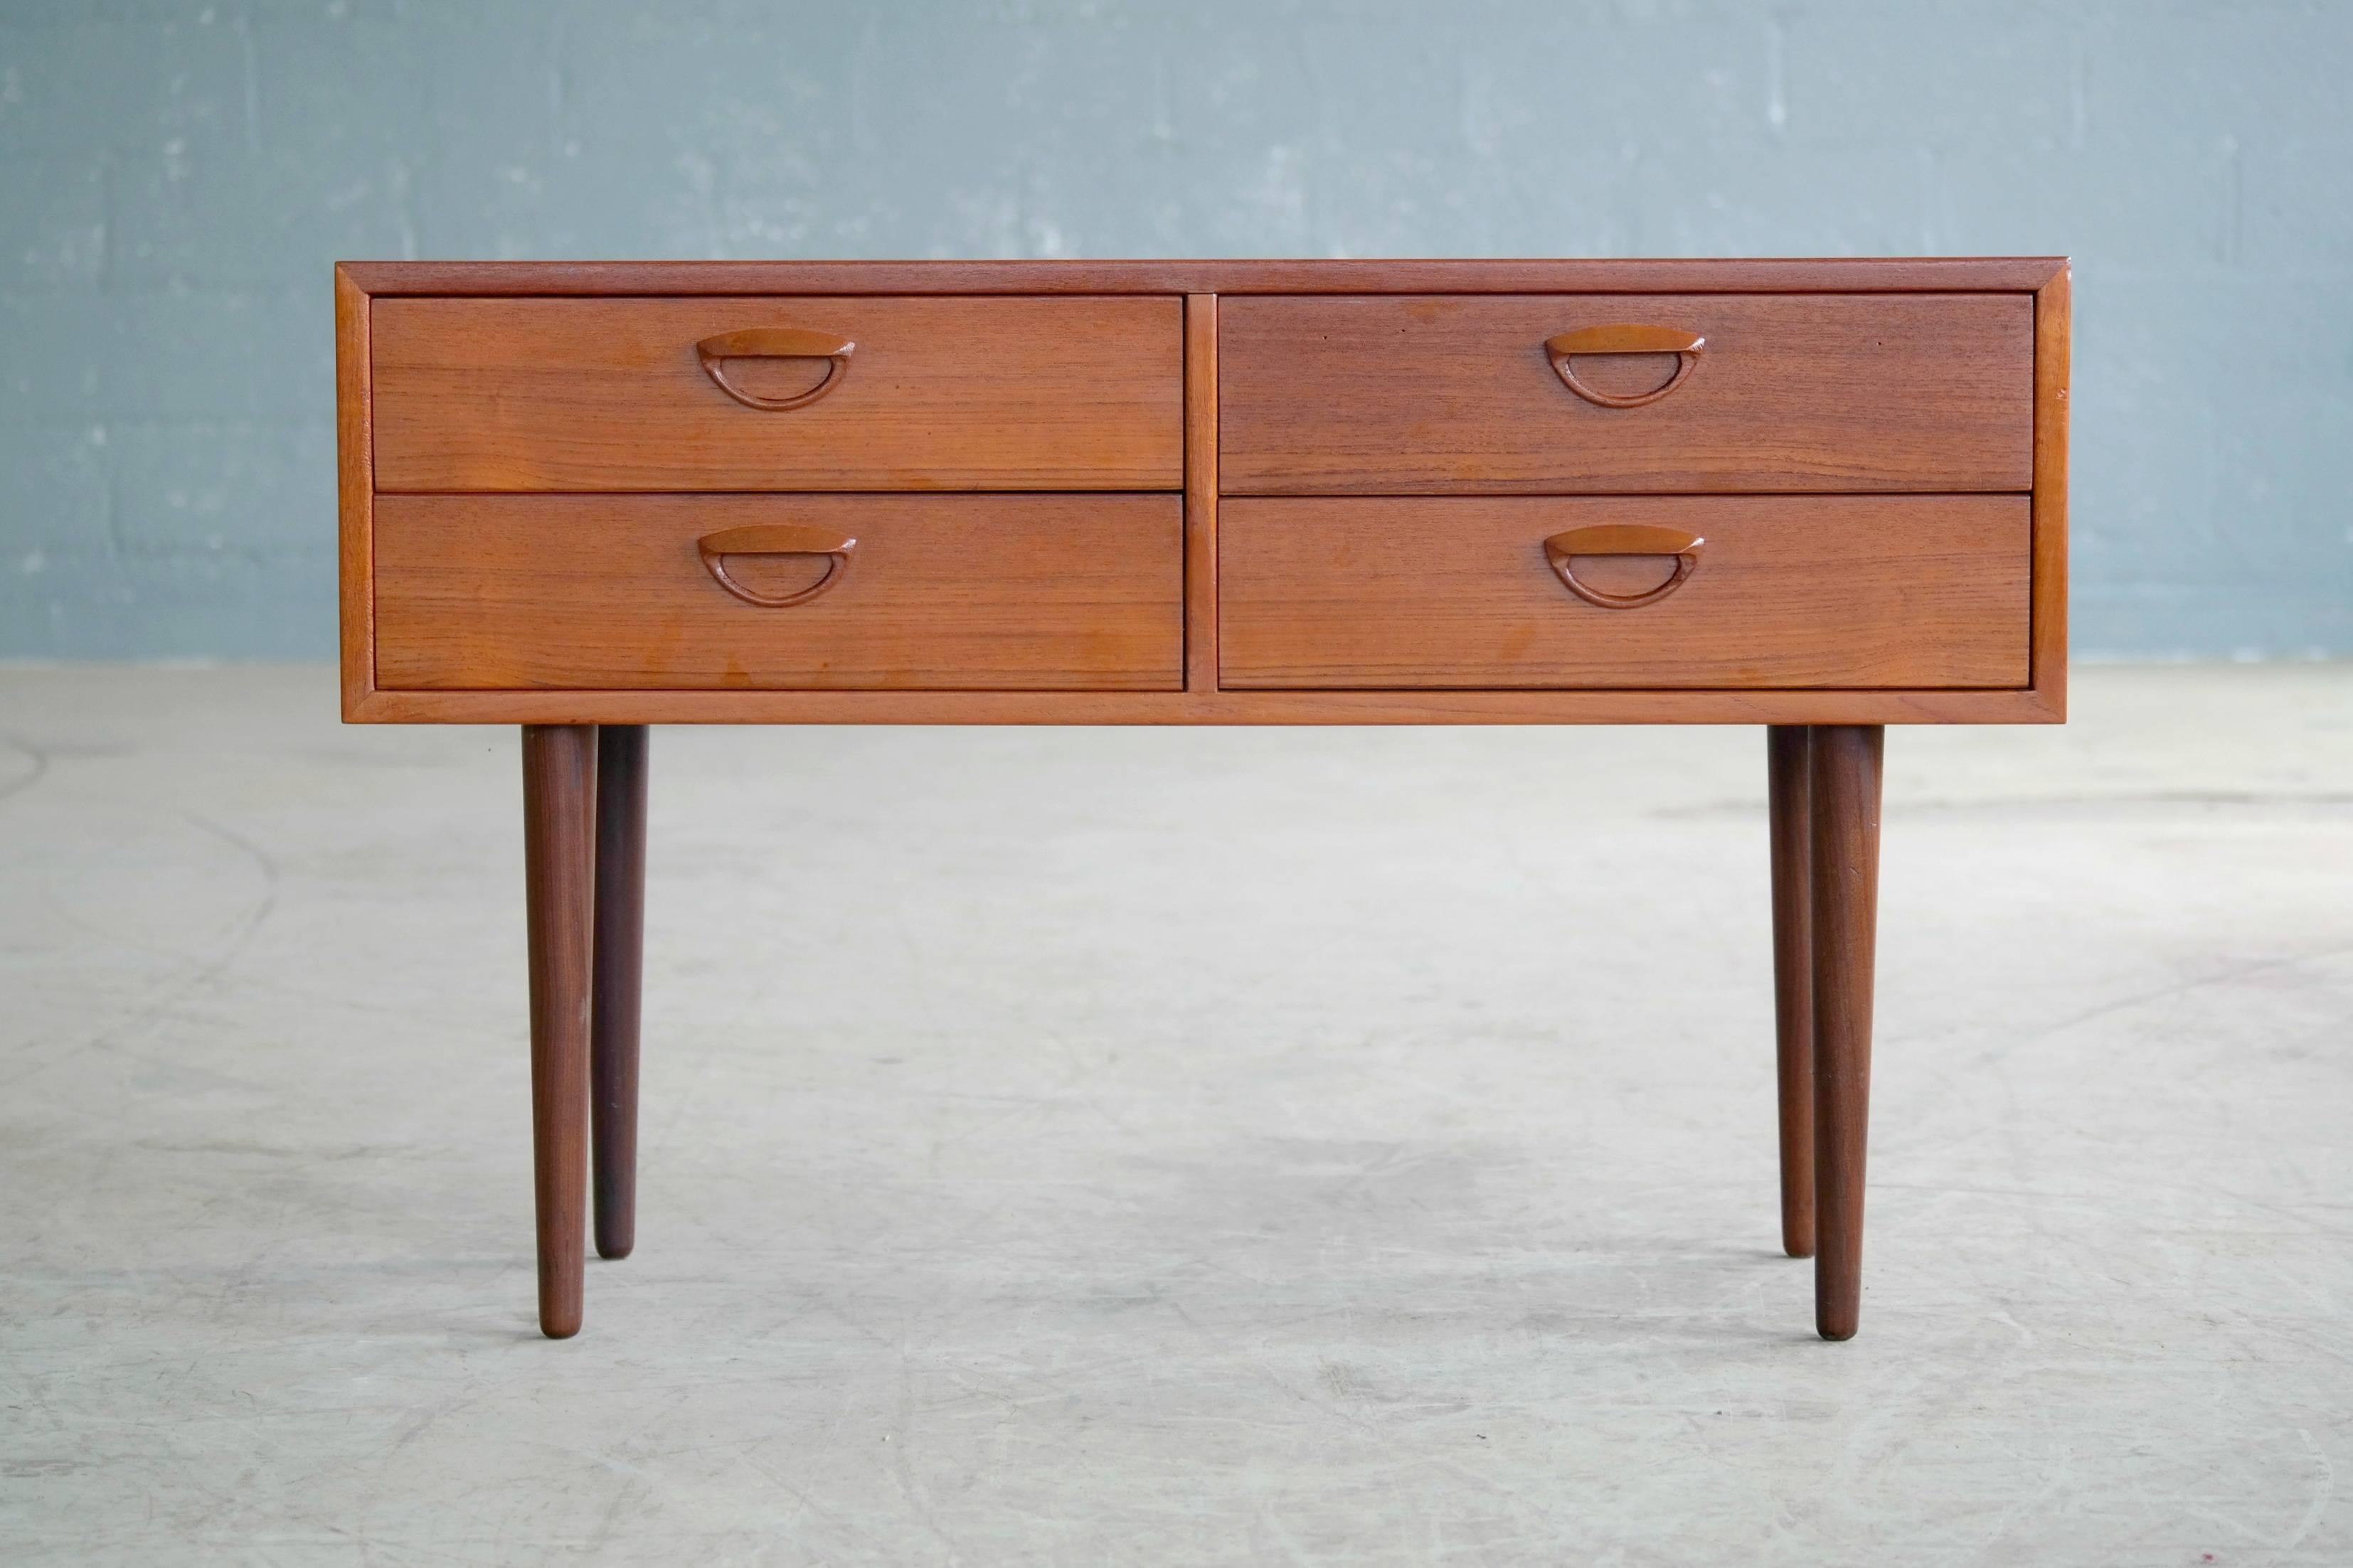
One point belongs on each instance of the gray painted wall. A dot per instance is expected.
(175, 178)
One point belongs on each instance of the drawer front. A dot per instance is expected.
(1459, 395)
(775, 393)
(623, 593)
(1836, 591)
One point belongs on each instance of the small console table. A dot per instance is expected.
(1822, 497)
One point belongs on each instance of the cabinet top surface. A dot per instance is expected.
(1899, 274)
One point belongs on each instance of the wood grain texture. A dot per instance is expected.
(2053, 349)
(1846, 767)
(1028, 592)
(1440, 276)
(618, 969)
(1789, 808)
(1789, 592)
(1071, 393)
(559, 851)
(1421, 706)
(1201, 493)
(355, 495)
(1421, 395)
(2042, 703)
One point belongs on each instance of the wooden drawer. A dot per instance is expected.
(945, 392)
(1458, 394)
(598, 592)
(1841, 592)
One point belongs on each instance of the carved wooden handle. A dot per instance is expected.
(775, 539)
(775, 342)
(1627, 340)
(1622, 539)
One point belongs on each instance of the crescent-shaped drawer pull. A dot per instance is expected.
(775, 539)
(1623, 340)
(1622, 539)
(775, 342)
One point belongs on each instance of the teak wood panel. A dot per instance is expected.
(1201, 493)
(1404, 706)
(1818, 275)
(1454, 395)
(940, 593)
(939, 393)
(1786, 592)
(2054, 350)
(364, 288)
(356, 494)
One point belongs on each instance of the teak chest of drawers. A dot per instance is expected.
(1819, 496)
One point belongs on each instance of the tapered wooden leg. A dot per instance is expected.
(620, 957)
(1791, 807)
(1845, 779)
(559, 852)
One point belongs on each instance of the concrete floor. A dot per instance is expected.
(1159, 1147)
